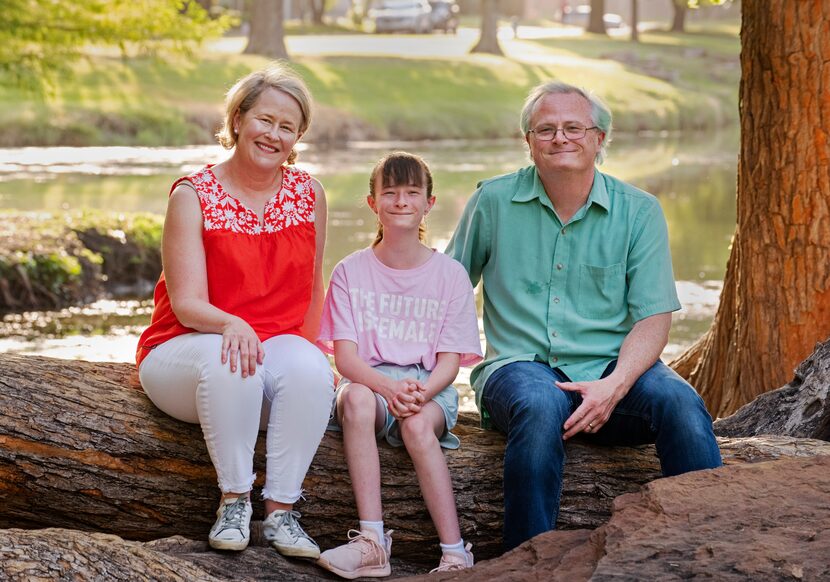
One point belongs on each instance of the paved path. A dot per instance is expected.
(436, 45)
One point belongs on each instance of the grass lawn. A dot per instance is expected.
(666, 82)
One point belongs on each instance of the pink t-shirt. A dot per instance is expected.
(401, 317)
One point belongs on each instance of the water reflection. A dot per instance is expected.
(693, 175)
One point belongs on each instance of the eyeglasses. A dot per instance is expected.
(572, 131)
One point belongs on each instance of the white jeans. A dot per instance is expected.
(290, 394)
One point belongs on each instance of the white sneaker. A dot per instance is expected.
(285, 533)
(232, 530)
(455, 560)
(362, 557)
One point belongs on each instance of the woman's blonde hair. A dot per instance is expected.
(401, 168)
(243, 95)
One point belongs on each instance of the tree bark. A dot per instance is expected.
(267, 36)
(81, 447)
(55, 554)
(62, 554)
(488, 42)
(799, 409)
(678, 23)
(596, 22)
(775, 303)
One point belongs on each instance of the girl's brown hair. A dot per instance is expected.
(401, 168)
(244, 94)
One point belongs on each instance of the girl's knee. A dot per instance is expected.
(418, 431)
(357, 404)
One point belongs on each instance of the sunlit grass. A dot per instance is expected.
(665, 82)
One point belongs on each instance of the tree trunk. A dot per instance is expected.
(267, 37)
(635, 21)
(775, 303)
(81, 447)
(318, 7)
(596, 22)
(207, 5)
(488, 42)
(799, 409)
(678, 23)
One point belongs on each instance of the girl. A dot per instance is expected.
(399, 318)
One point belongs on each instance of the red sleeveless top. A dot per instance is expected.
(262, 273)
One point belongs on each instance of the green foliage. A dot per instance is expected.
(54, 270)
(39, 38)
(56, 260)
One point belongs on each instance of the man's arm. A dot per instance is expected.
(651, 299)
(640, 349)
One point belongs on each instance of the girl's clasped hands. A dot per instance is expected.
(408, 398)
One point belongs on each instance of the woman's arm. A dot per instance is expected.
(185, 271)
(311, 323)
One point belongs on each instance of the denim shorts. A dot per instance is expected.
(447, 399)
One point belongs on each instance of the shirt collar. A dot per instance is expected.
(532, 188)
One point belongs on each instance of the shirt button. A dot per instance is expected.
(563, 231)
(555, 359)
(556, 299)
(554, 334)
(559, 266)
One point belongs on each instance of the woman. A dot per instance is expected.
(242, 288)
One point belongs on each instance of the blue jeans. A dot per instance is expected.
(524, 403)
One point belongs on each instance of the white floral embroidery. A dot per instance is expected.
(292, 206)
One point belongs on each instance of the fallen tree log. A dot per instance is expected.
(82, 448)
(56, 554)
(799, 409)
(62, 554)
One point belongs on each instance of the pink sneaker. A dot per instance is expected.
(455, 560)
(362, 556)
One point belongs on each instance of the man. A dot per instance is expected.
(578, 294)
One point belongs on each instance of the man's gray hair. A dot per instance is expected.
(600, 114)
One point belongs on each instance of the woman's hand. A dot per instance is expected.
(240, 340)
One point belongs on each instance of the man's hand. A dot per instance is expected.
(599, 398)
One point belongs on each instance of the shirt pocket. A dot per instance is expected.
(601, 290)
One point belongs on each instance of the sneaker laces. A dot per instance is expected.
(368, 547)
(233, 514)
(453, 561)
(289, 518)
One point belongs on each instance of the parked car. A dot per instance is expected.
(579, 17)
(402, 15)
(444, 15)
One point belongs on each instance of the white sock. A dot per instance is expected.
(457, 548)
(373, 526)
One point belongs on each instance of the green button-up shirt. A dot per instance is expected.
(563, 294)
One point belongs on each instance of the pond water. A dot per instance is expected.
(693, 176)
